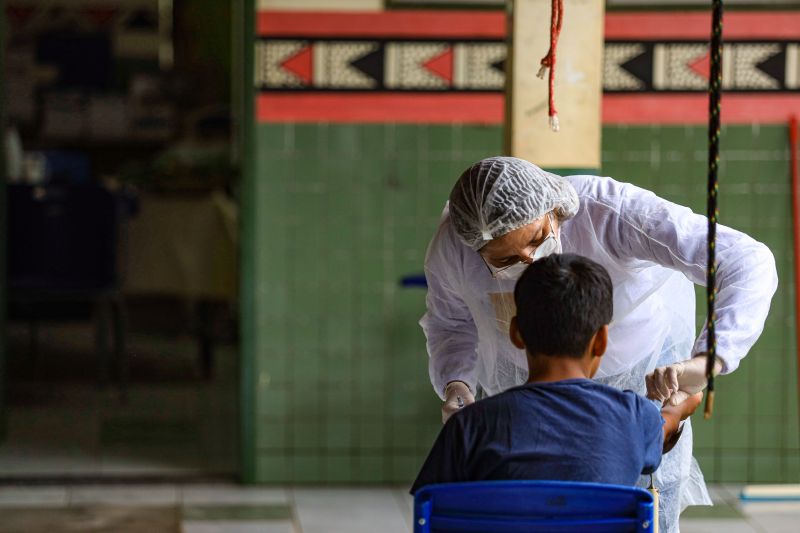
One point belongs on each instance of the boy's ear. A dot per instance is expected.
(516, 336)
(600, 342)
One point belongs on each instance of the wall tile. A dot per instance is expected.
(338, 469)
(734, 467)
(371, 468)
(307, 467)
(768, 467)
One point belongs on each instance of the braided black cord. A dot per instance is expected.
(715, 95)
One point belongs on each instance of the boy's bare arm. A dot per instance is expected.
(674, 414)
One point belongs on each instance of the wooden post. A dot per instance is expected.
(578, 85)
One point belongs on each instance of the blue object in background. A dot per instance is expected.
(525, 506)
(66, 167)
(414, 280)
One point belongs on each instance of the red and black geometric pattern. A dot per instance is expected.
(412, 66)
(438, 65)
(683, 66)
(379, 65)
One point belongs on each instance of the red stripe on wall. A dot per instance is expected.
(738, 25)
(693, 108)
(492, 25)
(484, 108)
(487, 108)
(385, 24)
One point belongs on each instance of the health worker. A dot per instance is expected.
(504, 213)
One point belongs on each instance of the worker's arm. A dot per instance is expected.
(452, 337)
(635, 224)
(673, 415)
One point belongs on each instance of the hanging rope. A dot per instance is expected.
(714, 97)
(549, 61)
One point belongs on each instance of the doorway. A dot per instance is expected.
(122, 351)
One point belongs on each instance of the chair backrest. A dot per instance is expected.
(517, 506)
(61, 237)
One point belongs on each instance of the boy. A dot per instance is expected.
(560, 425)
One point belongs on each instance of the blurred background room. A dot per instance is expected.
(121, 240)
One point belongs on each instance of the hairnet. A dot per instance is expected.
(500, 194)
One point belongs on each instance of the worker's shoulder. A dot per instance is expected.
(445, 237)
(445, 226)
(602, 193)
(587, 185)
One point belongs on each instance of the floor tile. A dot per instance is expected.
(406, 503)
(237, 512)
(720, 509)
(220, 494)
(124, 494)
(347, 510)
(774, 517)
(74, 424)
(151, 460)
(777, 522)
(144, 430)
(61, 423)
(231, 526)
(90, 519)
(19, 496)
(18, 460)
(730, 525)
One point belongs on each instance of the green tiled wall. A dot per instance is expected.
(342, 212)
(753, 435)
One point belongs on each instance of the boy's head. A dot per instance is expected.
(564, 305)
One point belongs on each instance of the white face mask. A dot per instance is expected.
(550, 246)
(511, 273)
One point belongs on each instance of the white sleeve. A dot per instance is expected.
(452, 338)
(637, 224)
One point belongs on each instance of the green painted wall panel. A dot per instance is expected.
(342, 212)
(753, 435)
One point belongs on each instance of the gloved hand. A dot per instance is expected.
(673, 384)
(452, 392)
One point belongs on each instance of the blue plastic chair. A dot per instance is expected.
(517, 506)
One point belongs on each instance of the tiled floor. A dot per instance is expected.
(730, 515)
(62, 423)
(218, 508)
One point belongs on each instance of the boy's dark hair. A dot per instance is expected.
(562, 300)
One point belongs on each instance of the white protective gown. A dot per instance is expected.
(653, 251)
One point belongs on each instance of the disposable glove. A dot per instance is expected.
(454, 391)
(673, 384)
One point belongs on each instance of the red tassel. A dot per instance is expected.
(549, 61)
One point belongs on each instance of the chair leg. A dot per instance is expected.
(101, 327)
(205, 338)
(33, 343)
(122, 366)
